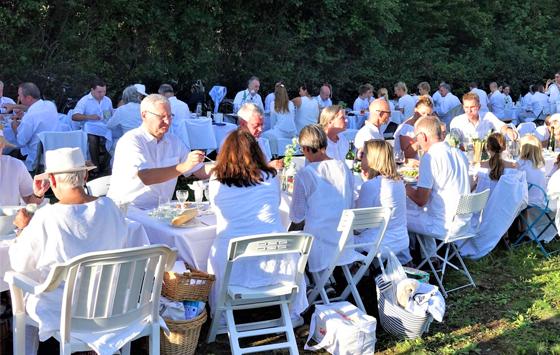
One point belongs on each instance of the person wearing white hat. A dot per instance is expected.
(77, 224)
(15, 182)
(148, 160)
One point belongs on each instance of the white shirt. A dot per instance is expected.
(318, 185)
(88, 105)
(483, 97)
(445, 171)
(407, 103)
(383, 192)
(337, 150)
(124, 119)
(362, 104)
(539, 103)
(446, 104)
(323, 103)
(528, 101)
(5, 100)
(535, 176)
(485, 124)
(554, 93)
(15, 181)
(307, 113)
(436, 99)
(284, 121)
(404, 129)
(367, 132)
(498, 104)
(243, 97)
(269, 102)
(56, 234)
(40, 117)
(138, 150)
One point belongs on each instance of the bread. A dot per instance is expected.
(185, 217)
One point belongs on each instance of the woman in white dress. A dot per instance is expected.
(384, 188)
(333, 121)
(494, 167)
(404, 134)
(307, 109)
(245, 195)
(531, 160)
(322, 190)
(282, 116)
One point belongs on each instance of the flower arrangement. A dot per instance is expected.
(453, 138)
(290, 151)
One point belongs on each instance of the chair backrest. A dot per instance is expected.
(201, 134)
(472, 203)
(69, 139)
(545, 200)
(110, 289)
(362, 218)
(221, 132)
(98, 187)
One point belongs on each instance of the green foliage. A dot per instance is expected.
(347, 43)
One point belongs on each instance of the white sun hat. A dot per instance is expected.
(141, 89)
(63, 160)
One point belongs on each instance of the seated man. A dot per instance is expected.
(445, 102)
(472, 125)
(40, 116)
(249, 95)
(443, 178)
(15, 182)
(379, 114)
(324, 97)
(78, 224)
(148, 160)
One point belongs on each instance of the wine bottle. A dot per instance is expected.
(551, 140)
(351, 155)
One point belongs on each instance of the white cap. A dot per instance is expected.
(141, 89)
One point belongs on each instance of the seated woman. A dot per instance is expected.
(333, 121)
(384, 188)
(322, 190)
(282, 117)
(404, 135)
(245, 195)
(531, 160)
(127, 116)
(307, 109)
(495, 167)
(383, 93)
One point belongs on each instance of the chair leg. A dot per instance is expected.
(154, 340)
(232, 332)
(465, 270)
(19, 333)
(214, 327)
(125, 350)
(429, 261)
(290, 336)
(65, 349)
(352, 286)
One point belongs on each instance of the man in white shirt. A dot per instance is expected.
(41, 116)
(482, 96)
(497, 101)
(16, 183)
(553, 91)
(447, 103)
(324, 98)
(148, 160)
(472, 125)
(436, 97)
(443, 178)
(537, 107)
(251, 94)
(406, 102)
(379, 114)
(268, 101)
(4, 100)
(95, 107)
(361, 104)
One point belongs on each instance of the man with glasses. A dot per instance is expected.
(379, 114)
(148, 160)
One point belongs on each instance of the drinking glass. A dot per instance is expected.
(163, 207)
(399, 157)
(198, 195)
(513, 149)
(182, 196)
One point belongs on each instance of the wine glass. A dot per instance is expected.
(182, 196)
(399, 157)
(513, 149)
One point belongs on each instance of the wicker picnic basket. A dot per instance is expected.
(193, 285)
(183, 336)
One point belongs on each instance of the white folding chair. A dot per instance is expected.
(104, 292)
(232, 297)
(352, 219)
(98, 187)
(221, 131)
(468, 205)
(201, 134)
(69, 139)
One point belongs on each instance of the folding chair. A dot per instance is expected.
(542, 214)
(352, 219)
(232, 297)
(54, 140)
(468, 205)
(98, 187)
(201, 134)
(104, 292)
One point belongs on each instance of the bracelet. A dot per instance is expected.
(38, 196)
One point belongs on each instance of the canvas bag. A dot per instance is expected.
(342, 328)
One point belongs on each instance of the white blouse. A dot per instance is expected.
(535, 176)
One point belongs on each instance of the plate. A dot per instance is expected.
(409, 175)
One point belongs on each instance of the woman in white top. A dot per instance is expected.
(531, 160)
(322, 190)
(384, 188)
(282, 116)
(307, 109)
(383, 93)
(127, 116)
(245, 195)
(494, 167)
(404, 134)
(333, 121)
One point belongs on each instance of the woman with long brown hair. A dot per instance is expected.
(245, 196)
(282, 116)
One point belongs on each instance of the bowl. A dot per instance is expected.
(7, 217)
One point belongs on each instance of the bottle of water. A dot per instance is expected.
(199, 109)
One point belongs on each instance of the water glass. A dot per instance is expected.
(163, 207)
(198, 196)
(182, 196)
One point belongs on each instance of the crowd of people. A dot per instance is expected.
(148, 157)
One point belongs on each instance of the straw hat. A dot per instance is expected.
(64, 160)
(4, 141)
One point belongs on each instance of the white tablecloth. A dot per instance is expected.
(99, 128)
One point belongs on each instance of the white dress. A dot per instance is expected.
(383, 192)
(322, 190)
(535, 176)
(283, 127)
(404, 129)
(15, 181)
(338, 150)
(307, 113)
(244, 211)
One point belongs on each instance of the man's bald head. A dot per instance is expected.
(379, 112)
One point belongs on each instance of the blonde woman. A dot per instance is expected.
(333, 121)
(384, 188)
(282, 116)
(531, 160)
(383, 93)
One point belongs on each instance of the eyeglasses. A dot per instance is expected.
(161, 117)
(382, 111)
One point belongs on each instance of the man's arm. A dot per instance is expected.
(420, 195)
(82, 117)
